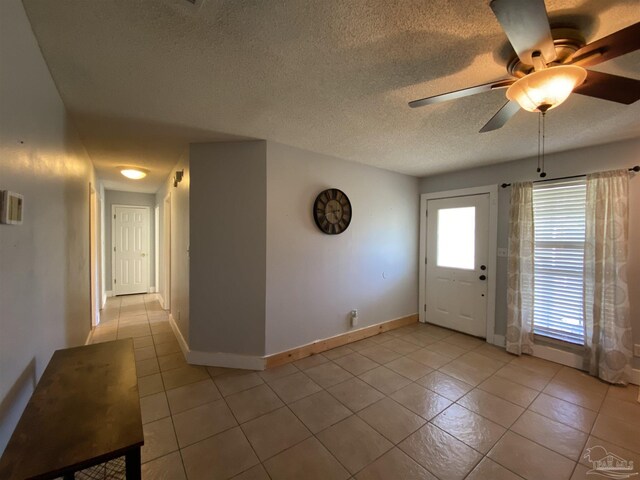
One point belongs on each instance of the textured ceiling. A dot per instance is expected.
(144, 78)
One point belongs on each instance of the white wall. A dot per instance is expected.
(314, 280)
(575, 162)
(228, 256)
(44, 263)
(116, 197)
(179, 300)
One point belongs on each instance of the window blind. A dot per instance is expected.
(559, 224)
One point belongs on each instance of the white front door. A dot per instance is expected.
(457, 263)
(131, 250)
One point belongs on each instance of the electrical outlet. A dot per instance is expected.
(636, 350)
(354, 317)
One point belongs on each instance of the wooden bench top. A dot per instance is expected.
(85, 410)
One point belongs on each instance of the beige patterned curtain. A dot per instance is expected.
(520, 270)
(606, 303)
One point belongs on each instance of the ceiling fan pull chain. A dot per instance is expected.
(543, 173)
(538, 155)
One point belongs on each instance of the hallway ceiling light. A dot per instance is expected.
(133, 173)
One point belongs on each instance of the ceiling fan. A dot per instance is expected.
(550, 63)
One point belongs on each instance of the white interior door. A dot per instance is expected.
(131, 250)
(457, 263)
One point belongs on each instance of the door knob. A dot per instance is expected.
(482, 277)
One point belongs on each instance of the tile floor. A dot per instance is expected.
(419, 402)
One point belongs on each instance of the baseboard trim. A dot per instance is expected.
(500, 340)
(325, 344)
(152, 289)
(108, 293)
(635, 378)
(184, 346)
(161, 301)
(104, 300)
(90, 336)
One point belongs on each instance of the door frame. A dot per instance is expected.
(113, 242)
(94, 263)
(166, 252)
(492, 190)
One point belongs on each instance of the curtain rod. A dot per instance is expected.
(505, 185)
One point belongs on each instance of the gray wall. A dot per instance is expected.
(115, 197)
(575, 162)
(179, 247)
(228, 256)
(314, 280)
(44, 263)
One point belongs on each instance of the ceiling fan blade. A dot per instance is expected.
(610, 87)
(527, 26)
(465, 92)
(507, 111)
(612, 46)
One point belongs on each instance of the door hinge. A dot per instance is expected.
(425, 307)
(114, 249)
(425, 260)
(114, 216)
(115, 280)
(426, 213)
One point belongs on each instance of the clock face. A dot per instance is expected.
(332, 211)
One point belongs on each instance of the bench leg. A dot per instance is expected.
(132, 462)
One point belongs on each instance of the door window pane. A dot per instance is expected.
(456, 237)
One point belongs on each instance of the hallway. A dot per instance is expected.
(411, 403)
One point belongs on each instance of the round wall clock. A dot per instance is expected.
(332, 211)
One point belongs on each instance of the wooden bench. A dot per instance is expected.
(84, 411)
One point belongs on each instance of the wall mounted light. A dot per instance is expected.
(177, 178)
(134, 173)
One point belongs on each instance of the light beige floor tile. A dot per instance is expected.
(311, 361)
(328, 374)
(202, 422)
(168, 467)
(354, 443)
(440, 453)
(508, 390)
(166, 337)
(217, 371)
(564, 412)
(356, 364)
(534, 364)
(147, 367)
(272, 374)
(172, 360)
(167, 348)
(487, 469)
(309, 460)
(409, 368)
(395, 464)
(319, 411)
(150, 384)
(253, 403)
(478, 432)
(463, 341)
(379, 354)
(391, 419)
(492, 351)
(489, 406)
(622, 410)
(294, 387)
(420, 400)
(159, 439)
(596, 449)
(234, 383)
(183, 376)
(385, 380)
(338, 352)
(160, 327)
(627, 393)
(381, 338)
(355, 394)
(419, 339)
(221, 456)
(362, 344)
(430, 359)
(254, 473)
(133, 331)
(154, 407)
(618, 432)
(524, 376)
(585, 397)
(555, 436)
(400, 346)
(582, 473)
(445, 349)
(144, 353)
(530, 460)
(445, 385)
(192, 395)
(471, 368)
(274, 432)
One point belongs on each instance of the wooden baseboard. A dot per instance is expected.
(320, 346)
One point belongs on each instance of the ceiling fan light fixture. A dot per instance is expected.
(133, 173)
(543, 90)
